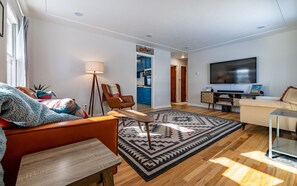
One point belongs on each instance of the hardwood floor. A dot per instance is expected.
(237, 159)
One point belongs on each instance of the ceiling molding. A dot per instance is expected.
(114, 32)
(242, 39)
(276, 14)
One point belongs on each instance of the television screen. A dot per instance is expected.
(240, 71)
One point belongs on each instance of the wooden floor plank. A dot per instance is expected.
(237, 159)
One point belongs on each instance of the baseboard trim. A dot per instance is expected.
(162, 106)
(198, 105)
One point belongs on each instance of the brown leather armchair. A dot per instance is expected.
(119, 101)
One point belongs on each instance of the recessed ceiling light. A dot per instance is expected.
(149, 35)
(261, 27)
(78, 14)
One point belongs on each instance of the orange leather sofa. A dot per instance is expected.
(22, 141)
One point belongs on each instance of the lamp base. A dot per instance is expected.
(95, 85)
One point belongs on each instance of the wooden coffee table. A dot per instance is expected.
(81, 163)
(137, 116)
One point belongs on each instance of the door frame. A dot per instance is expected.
(153, 77)
(176, 82)
(186, 66)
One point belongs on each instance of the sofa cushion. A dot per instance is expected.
(265, 103)
(290, 95)
(294, 107)
(268, 98)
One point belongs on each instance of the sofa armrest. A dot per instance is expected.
(64, 124)
(22, 141)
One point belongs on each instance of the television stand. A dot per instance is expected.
(226, 99)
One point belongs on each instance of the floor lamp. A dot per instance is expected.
(94, 67)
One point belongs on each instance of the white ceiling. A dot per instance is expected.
(174, 24)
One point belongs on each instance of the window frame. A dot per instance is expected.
(11, 55)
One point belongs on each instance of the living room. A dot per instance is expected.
(64, 35)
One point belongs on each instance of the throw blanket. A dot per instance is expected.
(24, 111)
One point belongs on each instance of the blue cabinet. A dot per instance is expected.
(143, 63)
(140, 65)
(148, 63)
(139, 94)
(144, 95)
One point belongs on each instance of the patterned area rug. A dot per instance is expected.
(175, 136)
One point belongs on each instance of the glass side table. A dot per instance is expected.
(281, 145)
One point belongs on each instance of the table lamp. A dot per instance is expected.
(94, 67)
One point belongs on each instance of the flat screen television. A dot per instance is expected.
(240, 71)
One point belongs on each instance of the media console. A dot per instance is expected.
(226, 99)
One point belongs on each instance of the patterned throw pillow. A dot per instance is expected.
(290, 95)
(45, 95)
(114, 92)
(65, 105)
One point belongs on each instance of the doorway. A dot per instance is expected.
(144, 82)
(183, 84)
(178, 81)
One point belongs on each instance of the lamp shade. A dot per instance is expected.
(94, 67)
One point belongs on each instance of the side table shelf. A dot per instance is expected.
(281, 145)
(285, 146)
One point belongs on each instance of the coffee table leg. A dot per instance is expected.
(123, 121)
(148, 134)
(107, 177)
(139, 126)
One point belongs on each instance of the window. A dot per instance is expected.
(11, 47)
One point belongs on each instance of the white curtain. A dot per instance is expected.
(21, 53)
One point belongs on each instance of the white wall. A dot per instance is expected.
(3, 54)
(57, 55)
(179, 63)
(161, 81)
(277, 64)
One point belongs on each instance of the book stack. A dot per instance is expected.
(224, 96)
(224, 103)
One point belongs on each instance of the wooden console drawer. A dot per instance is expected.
(207, 97)
(236, 101)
